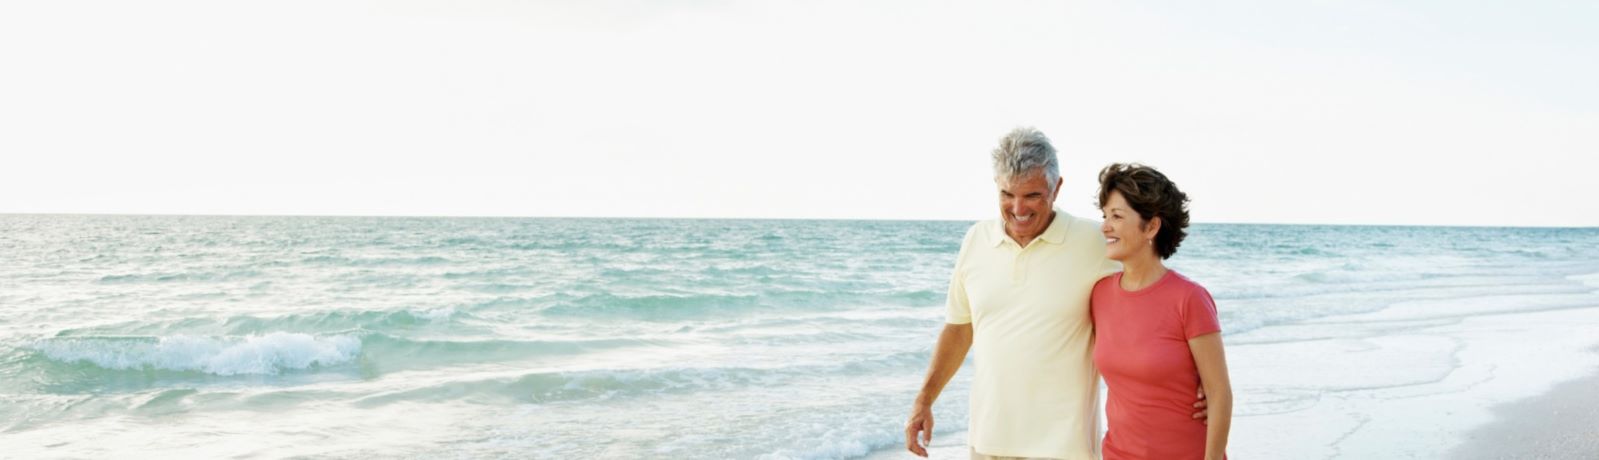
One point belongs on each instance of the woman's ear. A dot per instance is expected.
(1152, 228)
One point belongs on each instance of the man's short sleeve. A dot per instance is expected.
(958, 308)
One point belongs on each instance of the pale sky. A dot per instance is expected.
(1348, 112)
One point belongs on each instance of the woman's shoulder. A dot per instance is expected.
(1186, 287)
(1106, 282)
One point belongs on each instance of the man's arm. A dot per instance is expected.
(953, 344)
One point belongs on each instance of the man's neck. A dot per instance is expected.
(1029, 240)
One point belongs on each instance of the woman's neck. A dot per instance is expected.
(1141, 272)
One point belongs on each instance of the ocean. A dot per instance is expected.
(352, 337)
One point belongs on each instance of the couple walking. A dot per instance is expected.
(1047, 302)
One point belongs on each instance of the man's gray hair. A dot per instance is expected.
(1025, 151)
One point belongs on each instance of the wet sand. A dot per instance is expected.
(1558, 425)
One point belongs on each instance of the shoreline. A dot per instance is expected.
(1562, 423)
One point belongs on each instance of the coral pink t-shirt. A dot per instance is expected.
(1141, 348)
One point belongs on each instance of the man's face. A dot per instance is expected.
(1024, 203)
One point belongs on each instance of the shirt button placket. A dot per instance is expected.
(1018, 269)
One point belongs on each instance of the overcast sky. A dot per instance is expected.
(1349, 112)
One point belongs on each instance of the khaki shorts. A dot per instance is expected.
(977, 456)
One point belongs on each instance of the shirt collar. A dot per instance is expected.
(1054, 234)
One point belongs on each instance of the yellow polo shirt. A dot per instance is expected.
(1035, 390)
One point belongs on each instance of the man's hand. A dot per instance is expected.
(953, 343)
(921, 423)
(1203, 414)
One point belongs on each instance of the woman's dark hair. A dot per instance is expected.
(1151, 195)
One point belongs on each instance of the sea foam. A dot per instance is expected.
(1590, 280)
(256, 354)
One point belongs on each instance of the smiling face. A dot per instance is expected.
(1126, 233)
(1025, 204)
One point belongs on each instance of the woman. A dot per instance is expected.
(1157, 337)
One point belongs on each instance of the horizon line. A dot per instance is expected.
(439, 216)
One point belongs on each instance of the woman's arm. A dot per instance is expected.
(1212, 364)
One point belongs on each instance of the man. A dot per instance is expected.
(1019, 295)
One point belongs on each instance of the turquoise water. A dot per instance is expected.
(615, 338)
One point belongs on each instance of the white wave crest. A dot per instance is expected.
(437, 314)
(257, 354)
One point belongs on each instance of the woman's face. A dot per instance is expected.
(1126, 233)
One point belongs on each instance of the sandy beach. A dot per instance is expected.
(1562, 424)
